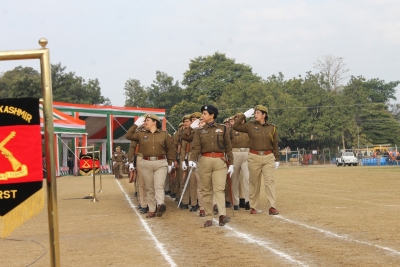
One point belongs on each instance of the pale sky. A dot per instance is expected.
(114, 41)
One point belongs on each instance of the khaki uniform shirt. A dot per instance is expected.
(132, 148)
(239, 139)
(188, 134)
(176, 139)
(211, 139)
(262, 137)
(154, 144)
(119, 156)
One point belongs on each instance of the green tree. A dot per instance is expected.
(371, 113)
(208, 76)
(67, 87)
(20, 82)
(135, 94)
(164, 92)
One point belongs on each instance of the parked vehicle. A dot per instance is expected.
(346, 158)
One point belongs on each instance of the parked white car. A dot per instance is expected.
(346, 158)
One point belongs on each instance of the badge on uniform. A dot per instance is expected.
(145, 137)
(115, 155)
(218, 131)
(236, 133)
(256, 128)
(204, 132)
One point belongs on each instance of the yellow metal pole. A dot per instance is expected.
(52, 209)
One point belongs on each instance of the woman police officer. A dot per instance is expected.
(263, 155)
(211, 144)
(158, 155)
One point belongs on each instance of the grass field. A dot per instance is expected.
(329, 216)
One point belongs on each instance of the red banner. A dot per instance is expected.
(21, 175)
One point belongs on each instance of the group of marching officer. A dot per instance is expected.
(204, 162)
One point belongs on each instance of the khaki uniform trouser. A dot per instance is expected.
(240, 165)
(167, 183)
(125, 169)
(140, 183)
(241, 187)
(212, 173)
(185, 199)
(196, 197)
(172, 184)
(261, 166)
(118, 166)
(178, 181)
(195, 189)
(154, 175)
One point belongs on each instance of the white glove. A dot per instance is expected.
(184, 167)
(113, 163)
(276, 164)
(126, 163)
(230, 170)
(192, 164)
(195, 124)
(139, 122)
(249, 113)
(131, 167)
(170, 168)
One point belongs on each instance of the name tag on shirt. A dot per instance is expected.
(204, 131)
(218, 131)
(145, 137)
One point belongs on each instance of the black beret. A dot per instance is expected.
(211, 109)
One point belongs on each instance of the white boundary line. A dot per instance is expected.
(159, 245)
(343, 237)
(249, 238)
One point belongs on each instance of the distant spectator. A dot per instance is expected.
(70, 164)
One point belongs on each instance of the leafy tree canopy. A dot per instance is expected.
(67, 87)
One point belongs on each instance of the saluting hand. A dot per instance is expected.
(139, 122)
(249, 113)
(195, 124)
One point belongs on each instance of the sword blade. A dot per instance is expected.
(186, 183)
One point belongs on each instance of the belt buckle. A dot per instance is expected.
(261, 153)
(152, 158)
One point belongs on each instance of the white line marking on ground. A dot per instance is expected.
(343, 237)
(159, 245)
(251, 239)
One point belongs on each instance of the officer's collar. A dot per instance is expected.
(210, 124)
(158, 130)
(265, 124)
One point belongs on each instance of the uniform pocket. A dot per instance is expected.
(205, 137)
(162, 143)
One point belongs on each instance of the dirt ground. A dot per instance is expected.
(329, 216)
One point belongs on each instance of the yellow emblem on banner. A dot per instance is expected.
(14, 162)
